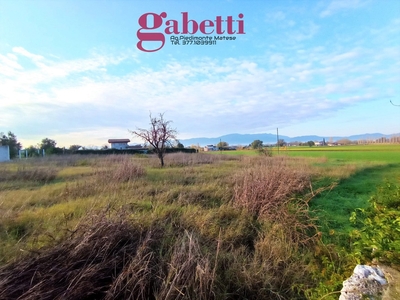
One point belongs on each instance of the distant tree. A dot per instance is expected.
(265, 151)
(222, 145)
(281, 143)
(48, 145)
(104, 147)
(32, 151)
(179, 145)
(197, 147)
(159, 135)
(11, 141)
(256, 144)
(310, 143)
(344, 142)
(74, 147)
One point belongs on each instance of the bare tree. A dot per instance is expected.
(158, 136)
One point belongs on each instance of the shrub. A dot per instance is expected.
(268, 191)
(265, 151)
(265, 188)
(379, 236)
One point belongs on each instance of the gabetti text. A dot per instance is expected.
(151, 21)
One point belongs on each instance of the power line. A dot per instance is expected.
(394, 104)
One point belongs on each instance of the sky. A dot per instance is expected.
(72, 71)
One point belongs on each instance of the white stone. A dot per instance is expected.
(366, 283)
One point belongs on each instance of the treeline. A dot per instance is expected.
(129, 151)
(48, 146)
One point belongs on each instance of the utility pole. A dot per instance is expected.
(277, 139)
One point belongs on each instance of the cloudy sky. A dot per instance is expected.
(71, 70)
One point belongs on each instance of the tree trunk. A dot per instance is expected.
(161, 157)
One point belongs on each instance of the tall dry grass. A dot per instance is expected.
(201, 228)
(118, 169)
(29, 173)
(109, 173)
(189, 274)
(181, 159)
(82, 267)
(111, 259)
(273, 270)
(274, 190)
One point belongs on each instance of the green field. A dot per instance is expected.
(364, 153)
(368, 166)
(386, 153)
(226, 225)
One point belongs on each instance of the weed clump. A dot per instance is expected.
(265, 188)
(111, 259)
(82, 267)
(119, 169)
(379, 235)
(189, 274)
(38, 174)
(181, 159)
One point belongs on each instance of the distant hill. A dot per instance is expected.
(269, 138)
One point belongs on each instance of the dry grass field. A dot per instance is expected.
(203, 227)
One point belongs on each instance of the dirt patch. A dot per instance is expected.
(393, 277)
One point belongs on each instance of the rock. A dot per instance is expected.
(366, 283)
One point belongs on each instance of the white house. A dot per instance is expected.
(119, 143)
(210, 148)
(4, 153)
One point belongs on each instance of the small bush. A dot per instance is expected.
(379, 236)
(265, 152)
(268, 191)
(265, 188)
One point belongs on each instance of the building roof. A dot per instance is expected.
(112, 141)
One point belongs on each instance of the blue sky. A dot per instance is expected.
(71, 70)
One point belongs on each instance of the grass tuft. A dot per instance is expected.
(29, 173)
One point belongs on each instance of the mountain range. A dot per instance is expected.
(269, 138)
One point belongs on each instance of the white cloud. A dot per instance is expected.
(303, 32)
(336, 6)
(82, 100)
(9, 65)
(35, 58)
(350, 55)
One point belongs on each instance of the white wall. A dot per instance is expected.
(4, 153)
(119, 145)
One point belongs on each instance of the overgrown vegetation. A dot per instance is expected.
(206, 226)
(379, 233)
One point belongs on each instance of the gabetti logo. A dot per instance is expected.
(152, 21)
